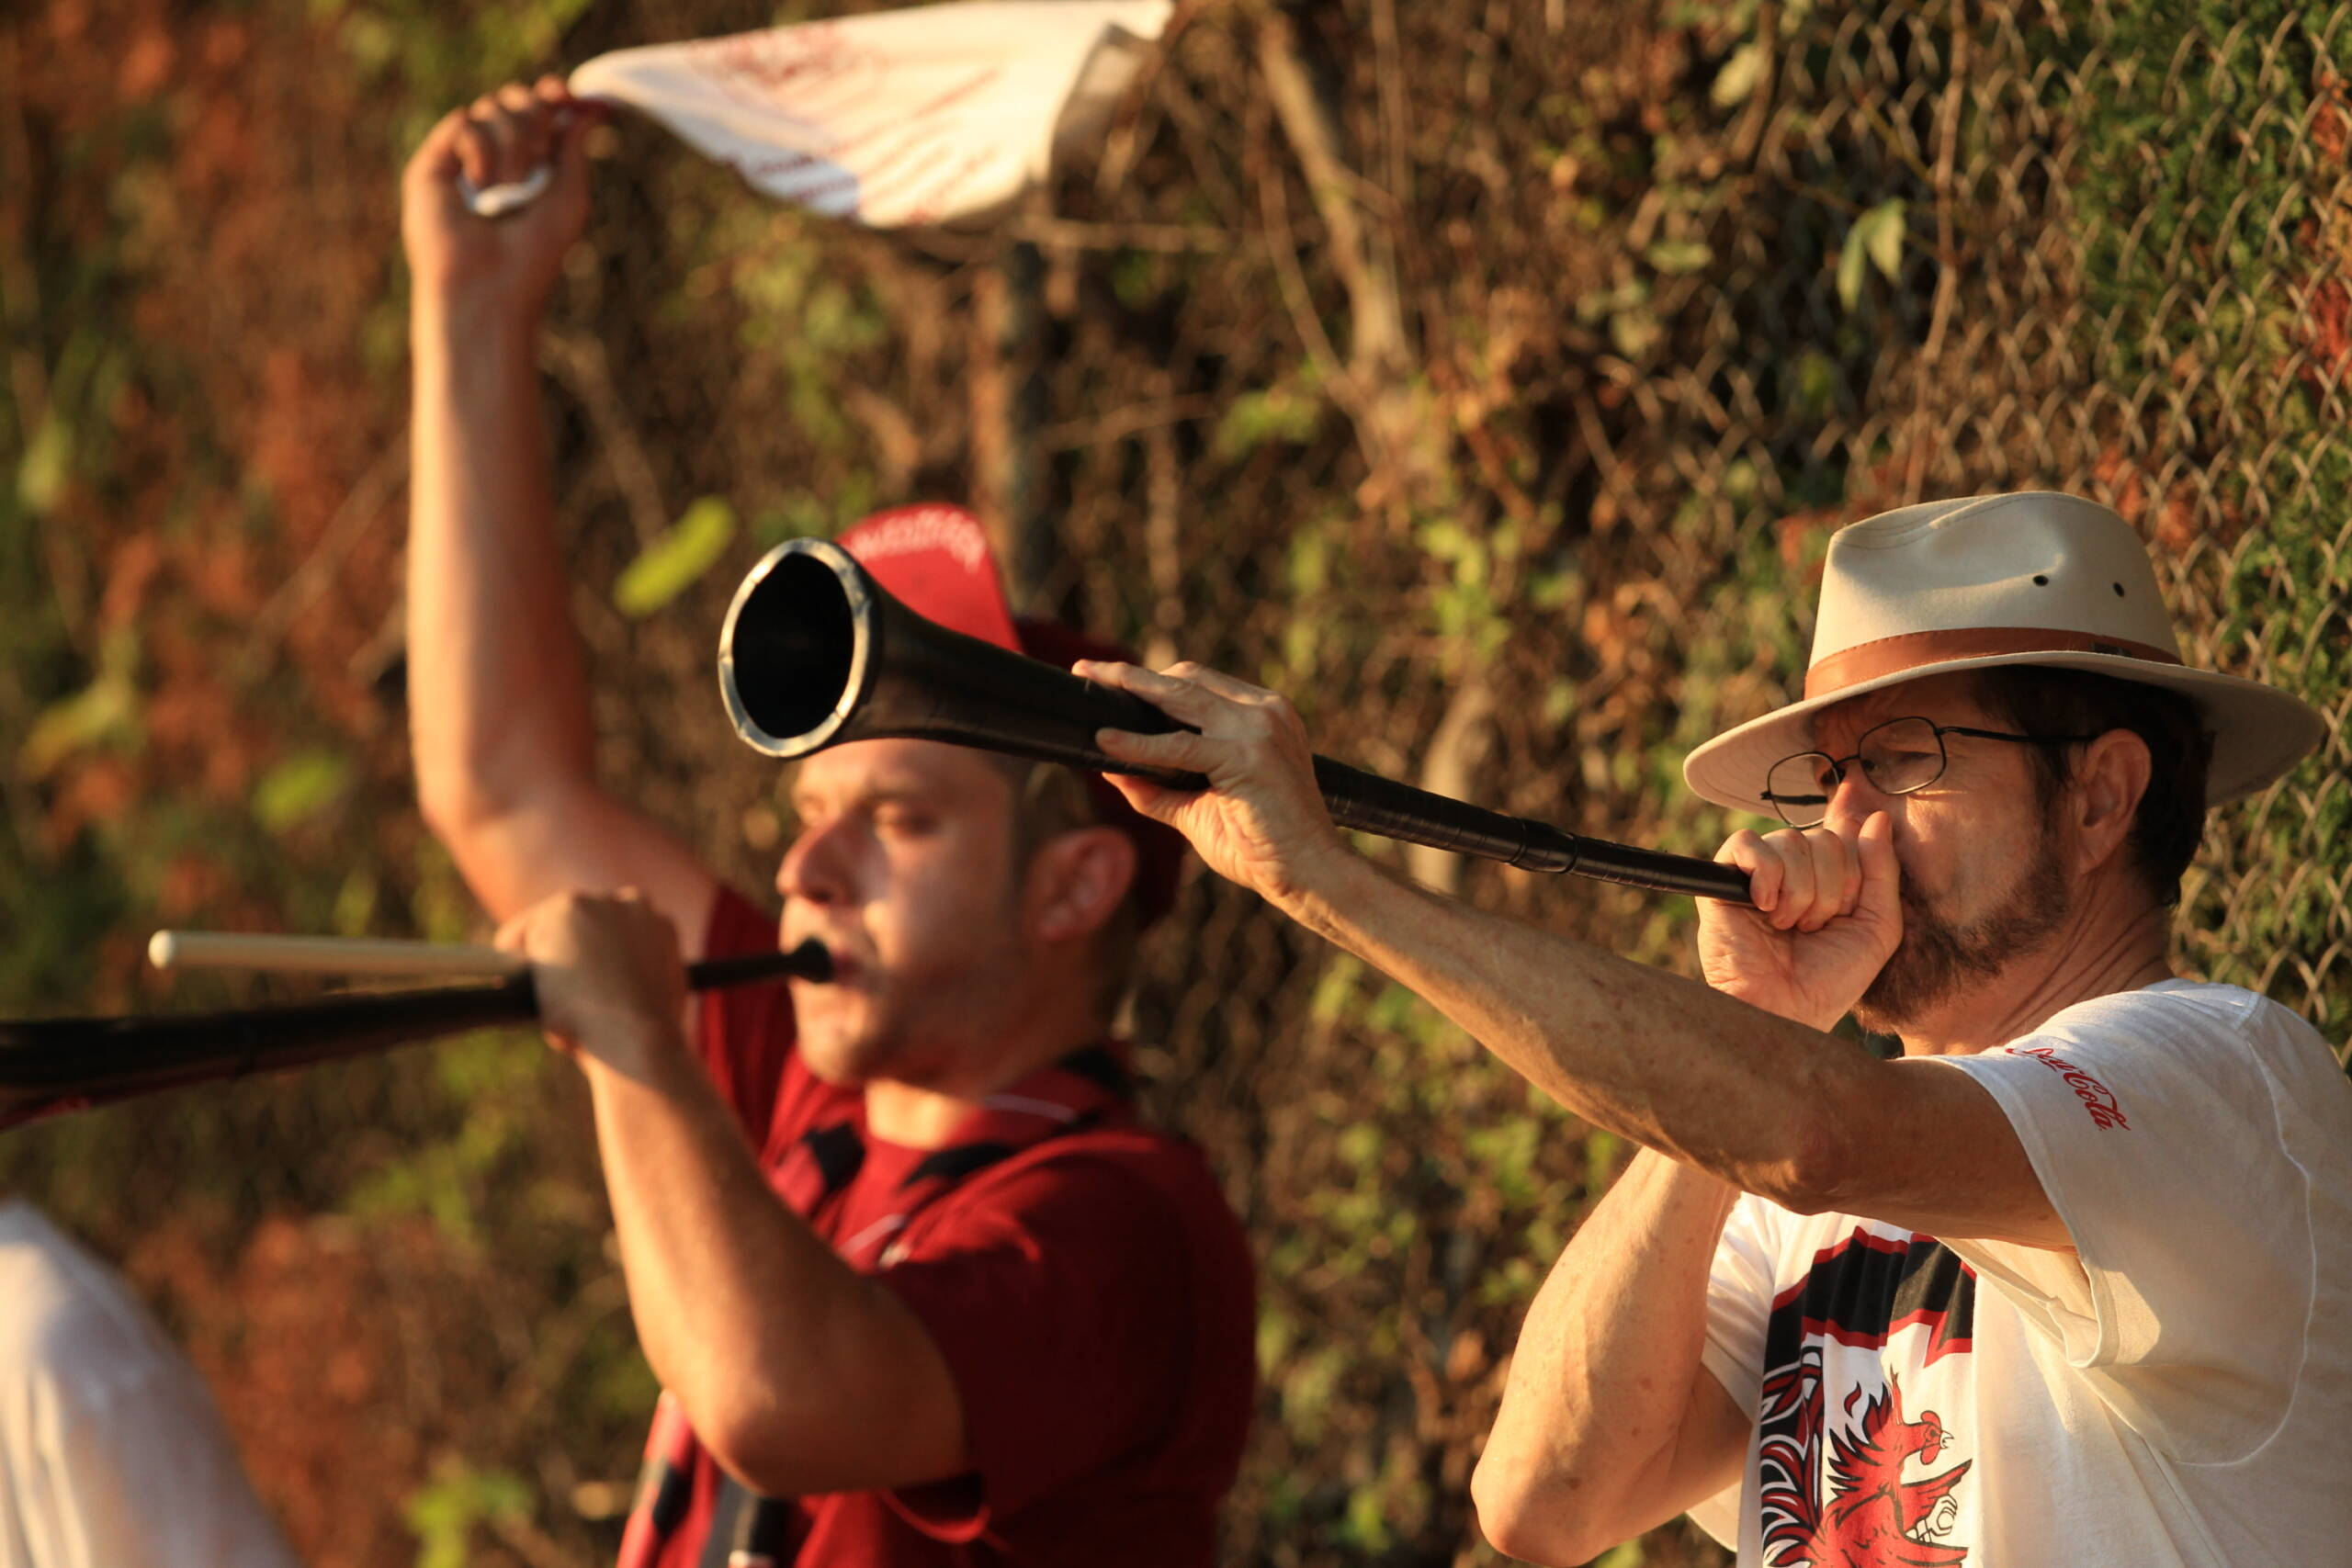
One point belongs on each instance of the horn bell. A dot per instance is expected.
(815, 652)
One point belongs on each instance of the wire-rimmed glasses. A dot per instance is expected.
(1898, 757)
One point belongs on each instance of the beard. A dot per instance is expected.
(1938, 956)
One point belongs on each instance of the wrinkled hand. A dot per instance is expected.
(1262, 822)
(509, 262)
(1829, 912)
(610, 983)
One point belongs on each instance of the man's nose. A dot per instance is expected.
(1851, 803)
(815, 869)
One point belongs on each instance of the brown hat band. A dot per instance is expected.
(1892, 655)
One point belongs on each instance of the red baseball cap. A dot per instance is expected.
(936, 560)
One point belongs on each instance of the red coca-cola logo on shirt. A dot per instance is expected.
(2097, 1098)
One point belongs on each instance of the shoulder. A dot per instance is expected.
(2193, 1071)
(1132, 1172)
(2183, 1009)
(1128, 1201)
(2213, 1033)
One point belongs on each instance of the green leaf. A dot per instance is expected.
(48, 463)
(354, 903)
(443, 1513)
(104, 712)
(1677, 257)
(1336, 990)
(1276, 1334)
(1286, 412)
(1448, 540)
(669, 565)
(1367, 1522)
(1739, 75)
(299, 788)
(1816, 383)
(100, 711)
(1876, 239)
(1851, 263)
(1882, 230)
(1310, 563)
(1634, 331)
(1602, 303)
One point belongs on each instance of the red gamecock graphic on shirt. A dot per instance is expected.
(1874, 1518)
(1833, 1488)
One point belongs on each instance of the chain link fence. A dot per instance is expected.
(1488, 376)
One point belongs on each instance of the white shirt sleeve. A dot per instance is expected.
(1739, 1305)
(2152, 1119)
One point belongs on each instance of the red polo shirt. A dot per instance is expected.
(1083, 1278)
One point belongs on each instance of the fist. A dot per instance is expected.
(606, 967)
(1828, 914)
(499, 139)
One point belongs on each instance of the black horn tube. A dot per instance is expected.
(815, 652)
(55, 1064)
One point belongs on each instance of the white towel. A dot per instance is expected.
(933, 114)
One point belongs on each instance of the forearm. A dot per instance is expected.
(1602, 1431)
(498, 696)
(773, 1345)
(1666, 1062)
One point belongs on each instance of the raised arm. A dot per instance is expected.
(498, 699)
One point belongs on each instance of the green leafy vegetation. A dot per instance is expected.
(1675, 291)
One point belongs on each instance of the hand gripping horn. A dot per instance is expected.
(815, 652)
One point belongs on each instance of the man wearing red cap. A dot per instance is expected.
(918, 1288)
(2064, 1282)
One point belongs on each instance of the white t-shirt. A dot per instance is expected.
(2183, 1397)
(112, 1453)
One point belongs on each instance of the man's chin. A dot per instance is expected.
(837, 1052)
(852, 1063)
(1921, 972)
(1936, 961)
(831, 1071)
(1880, 1019)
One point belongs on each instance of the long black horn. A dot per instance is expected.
(50, 1066)
(815, 652)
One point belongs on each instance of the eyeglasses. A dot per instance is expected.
(1898, 757)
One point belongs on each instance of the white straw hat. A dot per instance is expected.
(2037, 578)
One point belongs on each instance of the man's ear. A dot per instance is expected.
(2108, 782)
(1077, 881)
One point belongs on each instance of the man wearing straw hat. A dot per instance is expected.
(918, 1287)
(2067, 1280)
